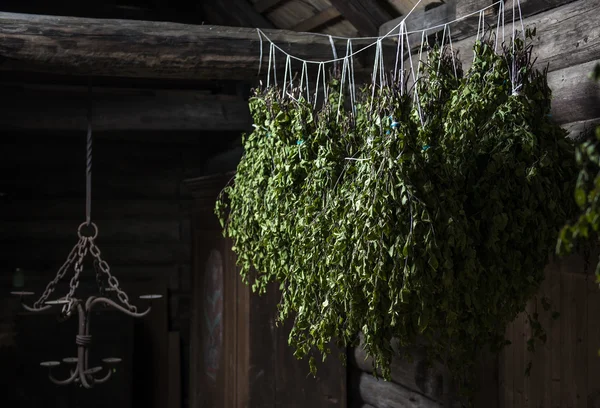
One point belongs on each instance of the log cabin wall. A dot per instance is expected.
(565, 369)
(142, 212)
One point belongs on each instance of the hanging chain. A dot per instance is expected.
(86, 244)
(112, 280)
(60, 274)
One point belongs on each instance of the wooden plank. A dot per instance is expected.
(413, 375)
(593, 343)
(581, 362)
(383, 394)
(581, 129)
(365, 15)
(67, 109)
(60, 185)
(265, 5)
(320, 19)
(421, 20)
(568, 396)
(558, 43)
(41, 253)
(113, 231)
(237, 13)
(174, 373)
(159, 50)
(519, 360)
(575, 96)
(555, 334)
(103, 209)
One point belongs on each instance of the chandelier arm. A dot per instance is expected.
(115, 305)
(63, 382)
(82, 349)
(35, 309)
(105, 378)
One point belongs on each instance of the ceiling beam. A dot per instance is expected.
(318, 20)
(237, 13)
(43, 108)
(265, 5)
(148, 49)
(365, 15)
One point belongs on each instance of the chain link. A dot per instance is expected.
(99, 282)
(112, 280)
(60, 274)
(74, 283)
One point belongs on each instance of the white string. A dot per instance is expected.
(377, 39)
(420, 61)
(271, 51)
(335, 57)
(452, 52)
(441, 50)
(521, 19)
(500, 14)
(261, 50)
(287, 65)
(414, 80)
(402, 69)
(479, 25)
(344, 67)
(352, 83)
(375, 67)
(317, 84)
(398, 52)
(382, 73)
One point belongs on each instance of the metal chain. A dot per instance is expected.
(112, 280)
(59, 275)
(99, 282)
(74, 283)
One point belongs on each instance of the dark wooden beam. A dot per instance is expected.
(265, 5)
(366, 15)
(237, 13)
(318, 20)
(141, 49)
(65, 109)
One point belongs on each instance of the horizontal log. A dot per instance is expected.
(382, 394)
(109, 231)
(414, 375)
(559, 43)
(121, 110)
(103, 209)
(143, 49)
(581, 129)
(575, 96)
(38, 183)
(48, 253)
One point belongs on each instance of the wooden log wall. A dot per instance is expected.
(564, 371)
(139, 205)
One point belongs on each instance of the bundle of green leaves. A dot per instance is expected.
(428, 221)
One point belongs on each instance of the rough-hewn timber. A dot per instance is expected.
(65, 109)
(142, 49)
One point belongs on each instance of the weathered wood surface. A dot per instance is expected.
(563, 367)
(121, 110)
(382, 394)
(321, 18)
(559, 43)
(414, 375)
(159, 50)
(581, 129)
(575, 96)
(365, 15)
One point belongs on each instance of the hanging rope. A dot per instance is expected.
(88, 170)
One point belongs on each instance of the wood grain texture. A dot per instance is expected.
(158, 50)
(365, 15)
(414, 375)
(382, 394)
(323, 17)
(121, 110)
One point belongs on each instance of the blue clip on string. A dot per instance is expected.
(426, 147)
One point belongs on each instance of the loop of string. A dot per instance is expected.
(376, 39)
(88, 170)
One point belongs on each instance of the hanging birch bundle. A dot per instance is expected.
(429, 221)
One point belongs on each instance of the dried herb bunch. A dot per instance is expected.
(429, 221)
